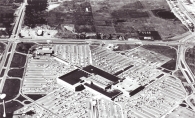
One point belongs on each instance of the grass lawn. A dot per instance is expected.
(11, 88)
(2, 47)
(18, 61)
(2, 72)
(190, 58)
(35, 97)
(21, 98)
(10, 108)
(23, 47)
(16, 72)
(7, 59)
(180, 75)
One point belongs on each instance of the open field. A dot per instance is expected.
(166, 51)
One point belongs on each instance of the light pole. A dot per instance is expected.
(2, 96)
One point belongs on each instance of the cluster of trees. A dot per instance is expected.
(36, 13)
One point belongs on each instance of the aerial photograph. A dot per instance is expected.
(97, 59)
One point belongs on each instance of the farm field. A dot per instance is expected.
(126, 17)
(107, 19)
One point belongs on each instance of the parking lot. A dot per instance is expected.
(155, 100)
(181, 113)
(138, 65)
(74, 54)
(110, 61)
(40, 75)
(39, 112)
(67, 104)
(108, 109)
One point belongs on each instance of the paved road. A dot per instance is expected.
(11, 44)
(185, 11)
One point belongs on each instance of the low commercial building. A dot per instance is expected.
(149, 35)
(95, 83)
(42, 50)
(98, 81)
(72, 80)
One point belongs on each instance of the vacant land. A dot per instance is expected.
(123, 47)
(166, 51)
(190, 58)
(18, 61)
(11, 88)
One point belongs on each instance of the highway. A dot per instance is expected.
(185, 11)
(11, 44)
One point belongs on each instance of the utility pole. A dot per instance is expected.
(2, 96)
